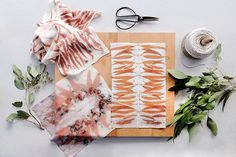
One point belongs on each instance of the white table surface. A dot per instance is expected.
(18, 20)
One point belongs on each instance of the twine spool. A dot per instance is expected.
(199, 43)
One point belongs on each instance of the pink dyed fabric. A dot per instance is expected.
(78, 112)
(65, 38)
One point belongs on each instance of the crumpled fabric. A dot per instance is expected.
(78, 112)
(65, 38)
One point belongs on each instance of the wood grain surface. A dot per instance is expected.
(104, 67)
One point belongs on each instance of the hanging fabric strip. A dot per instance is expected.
(138, 85)
(78, 112)
(64, 37)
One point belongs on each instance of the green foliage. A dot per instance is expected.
(19, 84)
(177, 74)
(12, 117)
(217, 53)
(20, 115)
(31, 98)
(17, 104)
(23, 115)
(207, 91)
(212, 126)
(35, 78)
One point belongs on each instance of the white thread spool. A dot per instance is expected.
(199, 43)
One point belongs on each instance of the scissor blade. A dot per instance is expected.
(149, 18)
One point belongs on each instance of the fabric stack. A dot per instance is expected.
(79, 110)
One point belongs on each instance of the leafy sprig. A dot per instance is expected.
(207, 91)
(35, 78)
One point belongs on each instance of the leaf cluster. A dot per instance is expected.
(33, 79)
(30, 81)
(207, 91)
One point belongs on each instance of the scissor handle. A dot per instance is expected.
(123, 20)
(125, 8)
(133, 18)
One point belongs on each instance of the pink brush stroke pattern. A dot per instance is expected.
(65, 38)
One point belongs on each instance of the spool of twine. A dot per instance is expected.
(199, 43)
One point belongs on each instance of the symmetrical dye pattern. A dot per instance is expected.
(138, 85)
(64, 37)
(79, 112)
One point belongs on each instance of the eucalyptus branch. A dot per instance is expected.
(35, 78)
(38, 124)
(207, 91)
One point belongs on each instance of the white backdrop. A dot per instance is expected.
(18, 19)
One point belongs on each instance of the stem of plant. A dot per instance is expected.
(38, 124)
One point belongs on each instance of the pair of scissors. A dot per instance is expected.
(125, 22)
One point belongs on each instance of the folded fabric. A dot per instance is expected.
(78, 112)
(64, 37)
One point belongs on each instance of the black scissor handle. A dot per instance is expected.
(127, 21)
(125, 8)
(131, 19)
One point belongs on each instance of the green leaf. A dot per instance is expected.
(19, 84)
(207, 73)
(193, 82)
(228, 77)
(212, 126)
(32, 71)
(210, 106)
(177, 74)
(202, 100)
(198, 117)
(17, 104)
(226, 97)
(195, 79)
(210, 74)
(12, 117)
(179, 85)
(215, 96)
(31, 98)
(217, 53)
(178, 128)
(191, 129)
(208, 79)
(176, 118)
(17, 71)
(22, 115)
(183, 106)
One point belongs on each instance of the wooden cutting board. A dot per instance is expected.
(104, 67)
